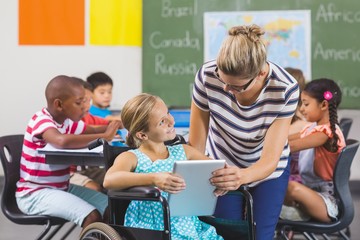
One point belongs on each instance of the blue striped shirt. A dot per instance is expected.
(237, 132)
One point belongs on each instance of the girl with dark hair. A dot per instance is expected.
(315, 197)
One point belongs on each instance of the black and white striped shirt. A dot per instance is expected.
(236, 132)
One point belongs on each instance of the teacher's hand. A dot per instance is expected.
(220, 192)
(229, 178)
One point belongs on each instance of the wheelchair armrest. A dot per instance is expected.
(244, 189)
(139, 193)
(136, 193)
(95, 143)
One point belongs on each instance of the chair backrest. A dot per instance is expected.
(10, 154)
(111, 152)
(345, 125)
(177, 140)
(341, 182)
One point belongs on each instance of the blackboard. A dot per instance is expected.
(173, 43)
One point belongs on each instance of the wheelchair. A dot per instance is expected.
(119, 200)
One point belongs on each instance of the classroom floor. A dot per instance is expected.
(10, 231)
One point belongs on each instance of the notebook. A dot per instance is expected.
(198, 198)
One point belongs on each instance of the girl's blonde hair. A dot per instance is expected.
(243, 52)
(135, 116)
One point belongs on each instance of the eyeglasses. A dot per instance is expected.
(233, 87)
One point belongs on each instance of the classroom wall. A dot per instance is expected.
(25, 71)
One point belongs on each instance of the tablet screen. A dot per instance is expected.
(198, 198)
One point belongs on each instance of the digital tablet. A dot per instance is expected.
(198, 198)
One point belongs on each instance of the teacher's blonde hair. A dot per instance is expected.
(242, 53)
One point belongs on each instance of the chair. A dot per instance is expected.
(345, 125)
(10, 154)
(346, 208)
(120, 199)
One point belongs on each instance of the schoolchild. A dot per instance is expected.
(44, 189)
(149, 125)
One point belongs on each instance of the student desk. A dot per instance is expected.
(80, 157)
(84, 156)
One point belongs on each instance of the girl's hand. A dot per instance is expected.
(169, 182)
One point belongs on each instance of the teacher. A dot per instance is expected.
(241, 111)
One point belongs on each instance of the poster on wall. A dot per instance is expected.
(80, 22)
(287, 35)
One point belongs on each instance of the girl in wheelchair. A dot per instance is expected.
(149, 125)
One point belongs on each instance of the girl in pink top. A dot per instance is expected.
(320, 100)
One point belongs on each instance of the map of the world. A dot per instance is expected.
(287, 35)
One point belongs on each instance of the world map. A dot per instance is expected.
(287, 35)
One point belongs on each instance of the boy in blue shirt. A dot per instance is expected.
(102, 95)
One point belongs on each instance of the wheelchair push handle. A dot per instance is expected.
(95, 143)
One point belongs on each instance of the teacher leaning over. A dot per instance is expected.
(241, 111)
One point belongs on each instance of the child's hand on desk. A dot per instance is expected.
(115, 118)
(111, 130)
(169, 182)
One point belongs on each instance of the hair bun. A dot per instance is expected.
(253, 32)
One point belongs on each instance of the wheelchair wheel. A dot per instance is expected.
(99, 231)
